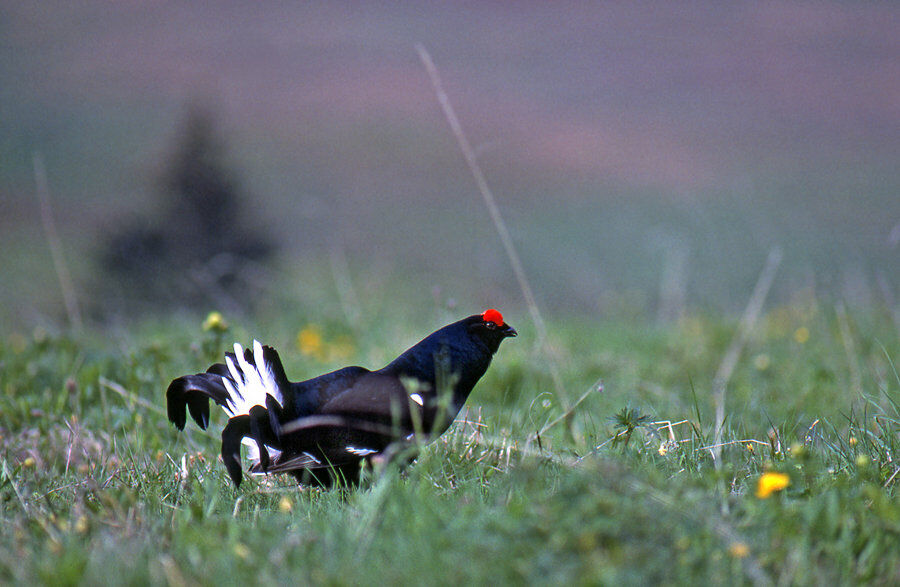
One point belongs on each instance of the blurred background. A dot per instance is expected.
(248, 158)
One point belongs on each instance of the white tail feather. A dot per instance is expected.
(231, 407)
(248, 385)
(263, 368)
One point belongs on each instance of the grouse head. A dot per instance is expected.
(489, 329)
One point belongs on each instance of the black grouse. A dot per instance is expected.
(322, 429)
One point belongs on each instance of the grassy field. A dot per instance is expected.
(646, 162)
(98, 488)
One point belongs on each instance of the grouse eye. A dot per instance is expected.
(490, 326)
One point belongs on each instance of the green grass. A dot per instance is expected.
(97, 487)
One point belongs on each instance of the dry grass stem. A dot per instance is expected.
(131, 396)
(494, 211)
(849, 348)
(745, 327)
(42, 191)
(340, 271)
(597, 386)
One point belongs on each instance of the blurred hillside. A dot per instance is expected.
(624, 143)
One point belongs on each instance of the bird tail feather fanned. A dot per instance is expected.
(250, 387)
(246, 379)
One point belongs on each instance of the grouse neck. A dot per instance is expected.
(448, 355)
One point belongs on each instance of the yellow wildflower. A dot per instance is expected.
(801, 335)
(81, 525)
(862, 461)
(761, 362)
(770, 483)
(852, 441)
(285, 505)
(738, 550)
(28, 462)
(310, 342)
(241, 550)
(215, 321)
(666, 446)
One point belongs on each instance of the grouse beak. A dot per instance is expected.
(510, 331)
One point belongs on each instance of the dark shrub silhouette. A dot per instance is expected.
(201, 250)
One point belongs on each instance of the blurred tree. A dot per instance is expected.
(201, 250)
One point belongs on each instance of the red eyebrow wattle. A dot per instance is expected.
(494, 316)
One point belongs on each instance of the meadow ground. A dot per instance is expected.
(631, 151)
(98, 488)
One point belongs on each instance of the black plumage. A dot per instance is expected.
(320, 430)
